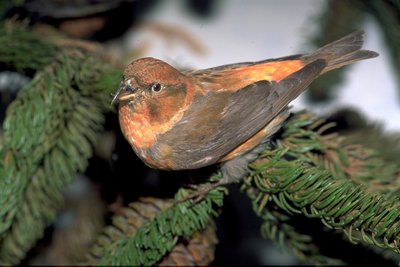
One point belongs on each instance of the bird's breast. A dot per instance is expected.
(142, 134)
(136, 128)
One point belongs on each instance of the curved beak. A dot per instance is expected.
(115, 98)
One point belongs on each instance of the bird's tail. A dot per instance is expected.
(341, 52)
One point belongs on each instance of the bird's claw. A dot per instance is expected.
(200, 193)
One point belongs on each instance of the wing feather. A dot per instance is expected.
(217, 123)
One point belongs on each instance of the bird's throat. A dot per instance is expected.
(136, 128)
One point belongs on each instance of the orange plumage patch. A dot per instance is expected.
(272, 71)
(237, 78)
(136, 128)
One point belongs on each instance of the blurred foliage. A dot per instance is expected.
(357, 129)
(16, 42)
(40, 155)
(352, 15)
(78, 223)
(387, 14)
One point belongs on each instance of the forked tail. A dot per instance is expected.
(341, 52)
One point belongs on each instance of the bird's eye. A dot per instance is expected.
(156, 87)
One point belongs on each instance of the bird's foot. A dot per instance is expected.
(202, 190)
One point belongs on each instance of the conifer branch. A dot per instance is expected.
(158, 236)
(48, 135)
(316, 176)
(196, 250)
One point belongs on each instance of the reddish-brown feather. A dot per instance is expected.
(236, 78)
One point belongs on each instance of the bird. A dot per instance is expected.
(189, 119)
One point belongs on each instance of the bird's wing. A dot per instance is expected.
(217, 123)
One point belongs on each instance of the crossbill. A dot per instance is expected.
(178, 120)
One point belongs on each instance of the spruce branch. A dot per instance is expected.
(283, 231)
(198, 250)
(315, 175)
(159, 235)
(49, 131)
